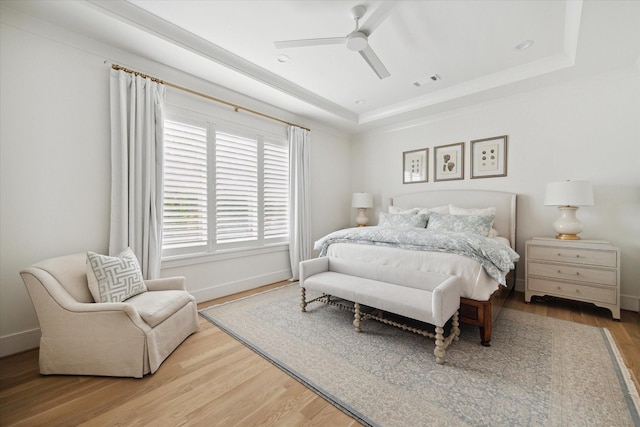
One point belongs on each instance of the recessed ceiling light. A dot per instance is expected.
(426, 80)
(283, 58)
(360, 102)
(525, 45)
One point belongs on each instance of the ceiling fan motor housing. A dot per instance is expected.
(357, 41)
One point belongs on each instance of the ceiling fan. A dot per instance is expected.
(357, 40)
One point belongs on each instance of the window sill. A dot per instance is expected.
(205, 257)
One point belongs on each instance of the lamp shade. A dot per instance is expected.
(362, 200)
(569, 193)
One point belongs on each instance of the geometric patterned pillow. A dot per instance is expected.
(114, 279)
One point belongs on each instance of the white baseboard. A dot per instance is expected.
(627, 302)
(230, 288)
(19, 342)
(631, 303)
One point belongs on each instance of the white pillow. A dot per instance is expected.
(442, 210)
(402, 220)
(114, 279)
(395, 210)
(455, 210)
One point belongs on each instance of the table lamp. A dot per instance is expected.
(568, 195)
(362, 201)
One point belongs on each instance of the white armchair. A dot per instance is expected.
(124, 339)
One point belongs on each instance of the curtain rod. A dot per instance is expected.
(235, 107)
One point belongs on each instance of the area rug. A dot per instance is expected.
(539, 371)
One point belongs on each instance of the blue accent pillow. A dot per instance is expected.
(403, 220)
(476, 224)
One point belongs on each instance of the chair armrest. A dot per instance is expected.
(106, 308)
(313, 266)
(177, 283)
(445, 300)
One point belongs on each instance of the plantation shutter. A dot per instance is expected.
(236, 188)
(276, 191)
(185, 186)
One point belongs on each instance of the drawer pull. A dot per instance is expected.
(577, 272)
(560, 254)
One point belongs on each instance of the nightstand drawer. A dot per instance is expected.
(574, 256)
(582, 292)
(580, 274)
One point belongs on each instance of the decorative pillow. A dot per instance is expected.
(476, 224)
(455, 210)
(402, 220)
(395, 210)
(442, 210)
(114, 279)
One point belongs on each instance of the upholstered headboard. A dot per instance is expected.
(505, 204)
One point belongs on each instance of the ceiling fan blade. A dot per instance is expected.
(286, 44)
(378, 16)
(374, 62)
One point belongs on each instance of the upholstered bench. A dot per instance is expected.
(425, 296)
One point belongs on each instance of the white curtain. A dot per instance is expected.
(137, 123)
(299, 205)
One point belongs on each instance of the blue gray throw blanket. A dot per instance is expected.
(496, 258)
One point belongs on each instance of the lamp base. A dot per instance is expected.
(567, 225)
(361, 219)
(563, 236)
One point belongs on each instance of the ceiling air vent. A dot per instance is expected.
(426, 80)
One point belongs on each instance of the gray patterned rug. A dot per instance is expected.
(539, 371)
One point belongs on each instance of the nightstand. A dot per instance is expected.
(582, 270)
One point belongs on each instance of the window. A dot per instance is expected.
(223, 188)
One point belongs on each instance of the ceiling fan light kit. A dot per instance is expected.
(356, 41)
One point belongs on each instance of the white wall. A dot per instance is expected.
(586, 130)
(55, 168)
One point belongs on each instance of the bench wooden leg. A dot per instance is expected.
(455, 323)
(356, 317)
(440, 350)
(303, 303)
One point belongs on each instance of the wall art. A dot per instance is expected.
(489, 157)
(448, 162)
(415, 165)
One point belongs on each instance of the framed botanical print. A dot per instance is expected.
(415, 165)
(448, 162)
(489, 157)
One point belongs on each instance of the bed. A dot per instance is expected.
(484, 289)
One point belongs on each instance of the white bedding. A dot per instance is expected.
(476, 283)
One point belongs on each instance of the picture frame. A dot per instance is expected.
(489, 157)
(448, 162)
(415, 166)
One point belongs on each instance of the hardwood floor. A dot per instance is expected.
(212, 379)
